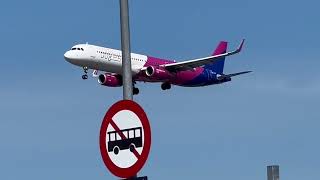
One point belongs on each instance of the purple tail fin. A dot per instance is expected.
(221, 48)
(219, 65)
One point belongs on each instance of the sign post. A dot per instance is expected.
(125, 139)
(125, 47)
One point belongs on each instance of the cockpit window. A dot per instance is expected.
(80, 49)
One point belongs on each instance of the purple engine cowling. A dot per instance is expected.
(110, 80)
(158, 73)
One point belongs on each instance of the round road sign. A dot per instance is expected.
(125, 138)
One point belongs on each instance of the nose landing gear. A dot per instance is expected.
(85, 76)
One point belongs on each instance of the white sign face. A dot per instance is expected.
(125, 139)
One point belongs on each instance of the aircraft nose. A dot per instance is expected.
(67, 56)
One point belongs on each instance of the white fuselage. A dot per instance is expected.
(103, 59)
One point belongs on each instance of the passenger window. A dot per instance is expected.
(131, 134)
(112, 137)
(118, 137)
(138, 132)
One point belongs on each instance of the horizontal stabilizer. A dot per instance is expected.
(228, 76)
(239, 73)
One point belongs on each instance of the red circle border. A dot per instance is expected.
(137, 109)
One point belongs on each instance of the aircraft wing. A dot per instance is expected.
(190, 64)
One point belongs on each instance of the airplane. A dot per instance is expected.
(190, 73)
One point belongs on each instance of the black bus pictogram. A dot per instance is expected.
(133, 140)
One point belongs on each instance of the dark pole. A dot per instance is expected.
(125, 47)
(273, 172)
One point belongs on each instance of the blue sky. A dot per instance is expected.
(50, 117)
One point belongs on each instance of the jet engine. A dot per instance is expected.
(157, 73)
(110, 80)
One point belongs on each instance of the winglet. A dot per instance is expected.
(241, 45)
(238, 49)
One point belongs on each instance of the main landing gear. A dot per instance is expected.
(165, 86)
(135, 91)
(85, 76)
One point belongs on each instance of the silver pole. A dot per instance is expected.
(125, 47)
(126, 56)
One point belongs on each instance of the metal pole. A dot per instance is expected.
(125, 47)
(126, 53)
(273, 172)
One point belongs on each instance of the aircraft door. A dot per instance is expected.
(211, 74)
(208, 72)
